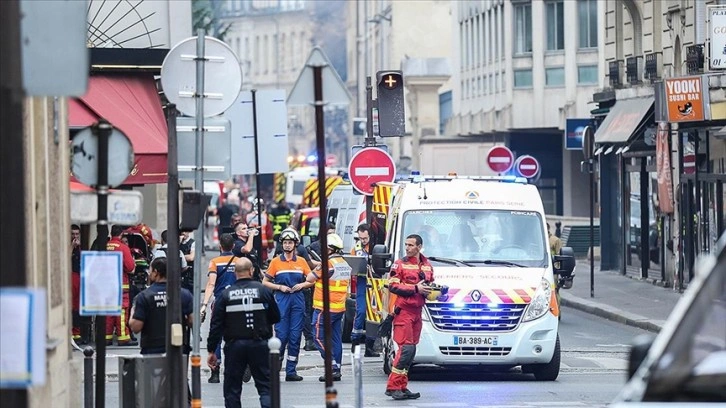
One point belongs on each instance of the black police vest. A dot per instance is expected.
(246, 312)
(186, 249)
(153, 335)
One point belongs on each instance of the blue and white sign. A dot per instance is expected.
(573, 133)
(22, 337)
(101, 283)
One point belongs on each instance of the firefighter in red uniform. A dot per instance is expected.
(119, 323)
(408, 280)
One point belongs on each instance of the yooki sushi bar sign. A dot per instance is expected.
(684, 98)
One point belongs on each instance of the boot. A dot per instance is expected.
(370, 349)
(309, 346)
(214, 378)
(336, 377)
(293, 377)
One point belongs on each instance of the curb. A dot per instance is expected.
(611, 313)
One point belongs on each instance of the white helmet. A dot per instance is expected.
(289, 234)
(335, 241)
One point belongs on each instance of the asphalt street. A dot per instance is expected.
(593, 370)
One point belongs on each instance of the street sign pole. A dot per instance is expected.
(199, 235)
(370, 141)
(588, 142)
(330, 392)
(258, 237)
(174, 358)
(103, 131)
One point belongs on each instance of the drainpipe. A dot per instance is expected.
(700, 22)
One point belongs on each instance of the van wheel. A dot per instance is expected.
(347, 329)
(389, 354)
(549, 371)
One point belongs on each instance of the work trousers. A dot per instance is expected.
(307, 323)
(289, 329)
(119, 324)
(358, 335)
(238, 354)
(406, 333)
(336, 336)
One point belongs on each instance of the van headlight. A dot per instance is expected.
(540, 302)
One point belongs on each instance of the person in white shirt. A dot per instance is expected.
(161, 250)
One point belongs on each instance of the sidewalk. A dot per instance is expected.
(624, 299)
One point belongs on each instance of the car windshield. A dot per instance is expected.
(692, 366)
(479, 236)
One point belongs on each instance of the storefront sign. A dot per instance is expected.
(573, 133)
(684, 97)
(663, 165)
(718, 37)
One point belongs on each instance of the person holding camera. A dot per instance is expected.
(358, 336)
(409, 279)
(244, 245)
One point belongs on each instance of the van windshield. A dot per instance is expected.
(479, 235)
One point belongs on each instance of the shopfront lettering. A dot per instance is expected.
(683, 86)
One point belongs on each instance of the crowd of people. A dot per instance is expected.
(251, 300)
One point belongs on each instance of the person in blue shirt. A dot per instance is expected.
(220, 276)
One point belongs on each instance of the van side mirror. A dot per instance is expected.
(638, 351)
(564, 263)
(380, 260)
(306, 240)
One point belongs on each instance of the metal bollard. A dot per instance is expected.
(358, 376)
(88, 377)
(274, 345)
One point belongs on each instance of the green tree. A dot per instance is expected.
(206, 15)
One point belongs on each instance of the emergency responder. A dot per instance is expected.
(119, 323)
(358, 335)
(244, 244)
(339, 277)
(280, 217)
(81, 330)
(286, 276)
(243, 314)
(220, 276)
(554, 241)
(187, 246)
(148, 315)
(408, 280)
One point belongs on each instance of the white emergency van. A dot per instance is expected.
(347, 210)
(486, 238)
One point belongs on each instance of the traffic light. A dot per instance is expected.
(391, 105)
(193, 206)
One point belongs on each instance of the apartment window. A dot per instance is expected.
(523, 78)
(555, 25)
(555, 76)
(587, 23)
(522, 28)
(462, 47)
(496, 33)
(587, 75)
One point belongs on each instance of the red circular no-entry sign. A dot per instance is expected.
(500, 159)
(368, 166)
(527, 166)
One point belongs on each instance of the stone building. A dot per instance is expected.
(659, 144)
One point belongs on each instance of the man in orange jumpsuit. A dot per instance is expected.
(120, 323)
(407, 280)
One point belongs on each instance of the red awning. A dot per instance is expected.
(130, 102)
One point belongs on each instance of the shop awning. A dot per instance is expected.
(623, 120)
(130, 102)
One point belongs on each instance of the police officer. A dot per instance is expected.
(339, 277)
(358, 335)
(243, 315)
(286, 276)
(148, 316)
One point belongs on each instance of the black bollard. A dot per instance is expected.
(274, 346)
(88, 377)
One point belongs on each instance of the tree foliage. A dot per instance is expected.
(206, 15)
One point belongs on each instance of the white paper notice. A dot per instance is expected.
(100, 283)
(22, 337)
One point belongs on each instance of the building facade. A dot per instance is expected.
(384, 35)
(659, 143)
(521, 69)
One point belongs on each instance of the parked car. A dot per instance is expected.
(685, 365)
